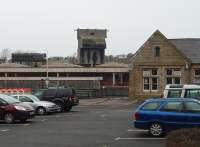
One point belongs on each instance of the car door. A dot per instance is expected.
(192, 111)
(172, 115)
(2, 108)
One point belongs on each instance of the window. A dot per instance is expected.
(2, 102)
(173, 80)
(169, 72)
(177, 80)
(173, 76)
(154, 83)
(192, 107)
(169, 81)
(16, 97)
(173, 106)
(192, 93)
(154, 72)
(197, 72)
(151, 106)
(174, 93)
(157, 51)
(146, 84)
(50, 93)
(150, 79)
(24, 99)
(196, 78)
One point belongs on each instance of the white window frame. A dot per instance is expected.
(176, 73)
(173, 80)
(196, 76)
(147, 73)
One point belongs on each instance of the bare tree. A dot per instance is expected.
(5, 55)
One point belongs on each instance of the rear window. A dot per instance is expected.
(50, 92)
(193, 93)
(151, 106)
(63, 92)
(174, 93)
(192, 107)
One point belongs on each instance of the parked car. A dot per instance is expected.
(182, 91)
(41, 107)
(162, 115)
(12, 109)
(65, 98)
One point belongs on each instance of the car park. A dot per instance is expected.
(12, 109)
(162, 115)
(41, 107)
(182, 91)
(65, 98)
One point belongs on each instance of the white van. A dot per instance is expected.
(182, 91)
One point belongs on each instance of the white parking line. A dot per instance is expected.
(5, 130)
(103, 115)
(14, 124)
(135, 130)
(43, 120)
(120, 138)
(57, 116)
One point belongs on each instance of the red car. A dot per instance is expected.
(12, 109)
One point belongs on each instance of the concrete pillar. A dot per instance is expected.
(5, 82)
(113, 79)
(121, 78)
(57, 79)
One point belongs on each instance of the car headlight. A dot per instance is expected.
(20, 108)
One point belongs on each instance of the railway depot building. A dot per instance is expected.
(102, 79)
(92, 77)
(160, 61)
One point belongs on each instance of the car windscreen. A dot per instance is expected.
(34, 98)
(9, 99)
(38, 93)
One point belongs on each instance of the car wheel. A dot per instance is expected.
(156, 129)
(41, 111)
(9, 118)
(60, 105)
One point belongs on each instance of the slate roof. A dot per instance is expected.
(190, 47)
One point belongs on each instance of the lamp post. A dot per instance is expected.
(47, 71)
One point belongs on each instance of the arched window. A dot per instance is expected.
(157, 51)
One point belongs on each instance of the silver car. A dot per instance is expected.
(41, 107)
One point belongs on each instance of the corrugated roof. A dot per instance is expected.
(190, 47)
(113, 65)
(12, 65)
(61, 65)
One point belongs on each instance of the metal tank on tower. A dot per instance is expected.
(91, 46)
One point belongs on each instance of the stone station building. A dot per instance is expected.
(160, 61)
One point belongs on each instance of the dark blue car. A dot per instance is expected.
(162, 115)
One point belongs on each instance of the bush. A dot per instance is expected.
(189, 137)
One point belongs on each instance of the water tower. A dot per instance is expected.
(91, 46)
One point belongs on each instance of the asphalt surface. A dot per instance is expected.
(101, 124)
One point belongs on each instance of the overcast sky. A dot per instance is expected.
(40, 25)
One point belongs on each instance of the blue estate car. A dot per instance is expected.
(162, 115)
